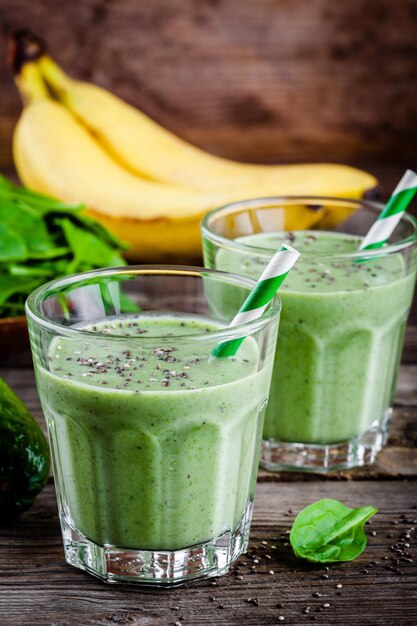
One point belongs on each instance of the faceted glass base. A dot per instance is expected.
(114, 564)
(356, 452)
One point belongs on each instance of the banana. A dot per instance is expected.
(149, 150)
(56, 155)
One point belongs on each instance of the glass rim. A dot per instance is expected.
(257, 203)
(38, 295)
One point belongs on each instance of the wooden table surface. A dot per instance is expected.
(269, 585)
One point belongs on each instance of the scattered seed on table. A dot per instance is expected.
(326, 605)
(281, 618)
(306, 610)
(324, 576)
(271, 571)
(339, 586)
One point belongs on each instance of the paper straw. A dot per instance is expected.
(265, 289)
(388, 219)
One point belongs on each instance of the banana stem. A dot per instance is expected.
(30, 83)
(56, 78)
(24, 51)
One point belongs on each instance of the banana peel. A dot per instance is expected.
(147, 149)
(167, 241)
(59, 152)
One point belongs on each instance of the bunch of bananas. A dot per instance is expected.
(80, 143)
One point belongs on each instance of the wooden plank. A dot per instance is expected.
(410, 345)
(259, 81)
(37, 587)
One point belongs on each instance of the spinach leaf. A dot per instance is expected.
(328, 531)
(99, 230)
(27, 223)
(11, 285)
(12, 245)
(42, 238)
(87, 248)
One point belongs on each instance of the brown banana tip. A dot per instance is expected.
(24, 46)
(373, 194)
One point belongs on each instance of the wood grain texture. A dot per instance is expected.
(261, 81)
(38, 588)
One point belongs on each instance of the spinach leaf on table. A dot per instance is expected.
(328, 531)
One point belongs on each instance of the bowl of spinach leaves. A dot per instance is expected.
(42, 238)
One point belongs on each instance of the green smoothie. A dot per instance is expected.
(340, 339)
(156, 445)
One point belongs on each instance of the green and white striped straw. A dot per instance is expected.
(261, 295)
(388, 219)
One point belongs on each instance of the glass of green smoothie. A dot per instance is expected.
(155, 442)
(342, 324)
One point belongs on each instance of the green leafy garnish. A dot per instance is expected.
(42, 238)
(328, 531)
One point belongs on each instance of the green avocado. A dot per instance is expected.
(24, 455)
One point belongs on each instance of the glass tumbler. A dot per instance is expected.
(155, 442)
(342, 324)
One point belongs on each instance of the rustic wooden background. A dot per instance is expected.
(257, 80)
(271, 80)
